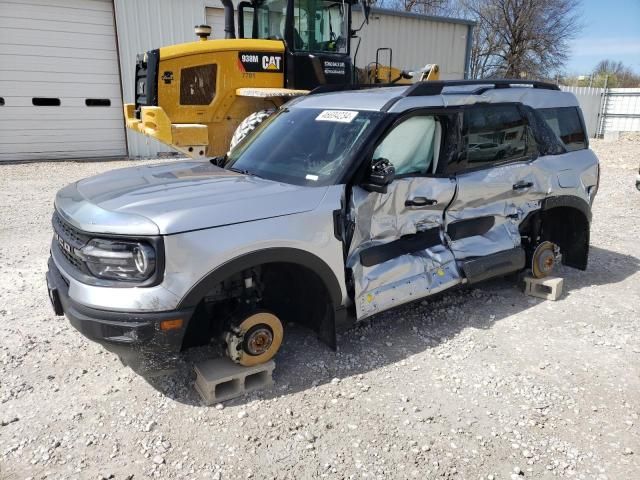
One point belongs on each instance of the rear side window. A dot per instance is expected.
(566, 124)
(198, 85)
(492, 134)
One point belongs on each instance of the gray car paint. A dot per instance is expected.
(171, 198)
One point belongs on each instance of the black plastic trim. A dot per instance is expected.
(494, 265)
(432, 87)
(261, 257)
(134, 336)
(568, 201)
(337, 225)
(404, 245)
(470, 227)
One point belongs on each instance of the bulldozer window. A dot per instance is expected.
(270, 16)
(320, 26)
(198, 85)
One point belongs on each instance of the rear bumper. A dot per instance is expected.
(135, 337)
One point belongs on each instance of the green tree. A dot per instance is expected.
(614, 74)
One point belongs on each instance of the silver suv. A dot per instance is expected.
(340, 206)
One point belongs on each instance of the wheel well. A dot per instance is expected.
(566, 226)
(293, 292)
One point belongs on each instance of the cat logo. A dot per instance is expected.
(260, 62)
(271, 62)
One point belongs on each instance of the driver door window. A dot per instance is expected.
(412, 146)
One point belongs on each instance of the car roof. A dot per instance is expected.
(402, 98)
(373, 99)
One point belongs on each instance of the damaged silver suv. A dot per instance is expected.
(341, 205)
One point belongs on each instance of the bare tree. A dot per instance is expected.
(521, 38)
(428, 7)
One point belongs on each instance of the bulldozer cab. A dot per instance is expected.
(316, 34)
(194, 96)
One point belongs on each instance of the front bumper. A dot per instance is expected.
(135, 337)
(192, 139)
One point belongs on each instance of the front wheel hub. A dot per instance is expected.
(258, 340)
(255, 339)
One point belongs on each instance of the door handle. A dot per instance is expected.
(522, 185)
(420, 202)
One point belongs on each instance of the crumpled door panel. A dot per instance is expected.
(397, 254)
(492, 193)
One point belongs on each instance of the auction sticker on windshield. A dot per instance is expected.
(342, 116)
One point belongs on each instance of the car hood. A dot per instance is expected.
(177, 197)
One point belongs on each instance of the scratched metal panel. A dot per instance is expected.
(145, 25)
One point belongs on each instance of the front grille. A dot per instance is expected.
(72, 259)
(71, 234)
(68, 239)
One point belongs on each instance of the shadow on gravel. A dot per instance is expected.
(390, 337)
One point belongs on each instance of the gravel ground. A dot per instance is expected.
(481, 383)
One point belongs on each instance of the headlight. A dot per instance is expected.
(119, 259)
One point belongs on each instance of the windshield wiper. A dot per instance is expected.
(243, 171)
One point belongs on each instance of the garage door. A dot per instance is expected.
(215, 19)
(59, 80)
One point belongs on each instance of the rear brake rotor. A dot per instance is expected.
(545, 258)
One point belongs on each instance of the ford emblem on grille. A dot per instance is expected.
(63, 244)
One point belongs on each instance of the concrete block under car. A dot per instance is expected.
(221, 379)
(549, 288)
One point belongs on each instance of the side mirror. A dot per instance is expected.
(366, 8)
(381, 174)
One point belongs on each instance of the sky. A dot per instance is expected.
(611, 30)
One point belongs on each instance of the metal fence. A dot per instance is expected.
(621, 110)
(608, 109)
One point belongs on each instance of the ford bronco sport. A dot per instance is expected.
(342, 205)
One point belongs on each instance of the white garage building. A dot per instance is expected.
(66, 65)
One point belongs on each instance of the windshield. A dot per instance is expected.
(304, 146)
(318, 25)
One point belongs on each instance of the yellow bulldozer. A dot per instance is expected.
(203, 97)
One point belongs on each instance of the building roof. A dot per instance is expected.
(420, 16)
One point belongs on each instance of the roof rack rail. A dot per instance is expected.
(435, 87)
